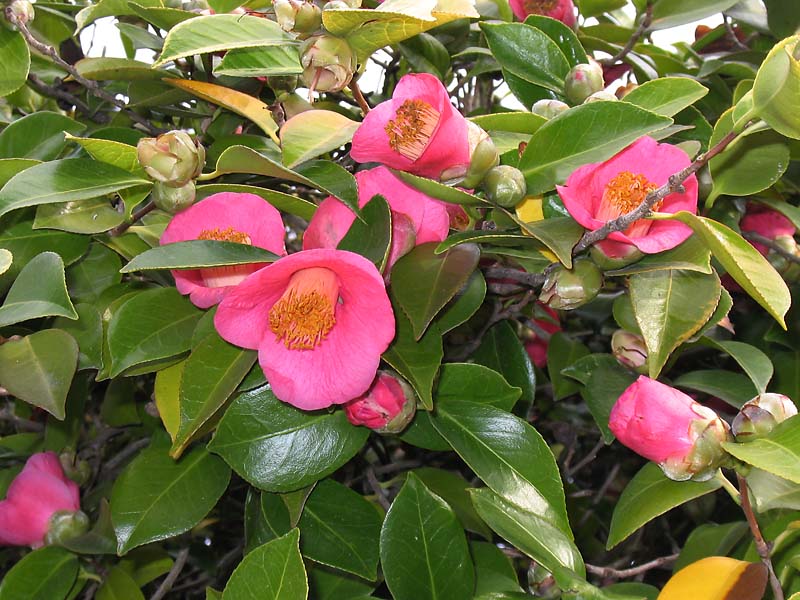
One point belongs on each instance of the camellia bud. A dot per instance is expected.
(601, 96)
(615, 256)
(582, 81)
(505, 186)
(172, 158)
(172, 199)
(21, 12)
(66, 525)
(567, 289)
(388, 406)
(668, 427)
(328, 63)
(549, 108)
(301, 16)
(483, 156)
(630, 350)
(759, 416)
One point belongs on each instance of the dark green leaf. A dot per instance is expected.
(96, 271)
(39, 135)
(44, 574)
(560, 234)
(733, 388)
(710, 539)
(502, 350)
(197, 254)
(440, 191)
(39, 291)
(119, 585)
(265, 518)
(465, 304)
(562, 352)
(452, 488)
(371, 234)
(494, 571)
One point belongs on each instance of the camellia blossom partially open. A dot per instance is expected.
(561, 10)
(225, 217)
(768, 223)
(388, 406)
(416, 218)
(668, 427)
(600, 192)
(418, 130)
(35, 495)
(320, 320)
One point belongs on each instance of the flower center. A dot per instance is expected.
(625, 192)
(217, 277)
(412, 128)
(539, 7)
(305, 313)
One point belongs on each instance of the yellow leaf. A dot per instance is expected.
(167, 392)
(240, 103)
(530, 211)
(717, 578)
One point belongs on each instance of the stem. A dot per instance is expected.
(673, 185)
(60, 94)
(641, 30)
(137, 214)
(91, 86)
(172, 576)
(762, 547)
(729, 487)
(760, 239)
(608, 572)
(362, 102)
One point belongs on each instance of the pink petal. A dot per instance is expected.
(329, 225)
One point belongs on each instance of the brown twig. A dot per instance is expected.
(359, 96)
(611, 573)
(760, 239)
(136, 216)
(762, 547)
(375, 485)
(172, 576)
(90, 85)
(673, 185)
(528, 279)
(52, 91)
(641, 31)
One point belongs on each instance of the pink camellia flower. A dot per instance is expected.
(416, 218)
(668, 427)
(546, 326)
(601, 192)
(320, 320)
(418, 130)
(35, 495)
(561, 10)
(225, 217)
(387, 407)
(768, 223)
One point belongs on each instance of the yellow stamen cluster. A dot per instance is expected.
(225, 235)
(627, 190)
(411, 129)
(539, 7)
(302, 320)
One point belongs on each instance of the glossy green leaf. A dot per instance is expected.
(277, 447)
(743, 263)
(271, 61)
(265, 518)
(710, 539)
(39, 290)
(563, 36)
(666, 96)
(112, 152)
(733, 388)
(440, 191)
(152, 325)
(691, 255)
(64, 180)
(274, 571)
(502, 351)
(88, 333)
(452, 488)
(340, 528)
(213, 33)
(16, 61)
(775, 91)
(777, 453)
(753, 361)
(119, 585)
(44, 574)
(94, 215)
(198, 254)
(423, 282)
(559, 234)
(424, 552)
(562, 352)
(96, 271)
(584, 134)
(508, 455)
(670, 307)
(156, 498)
(328, 584)
(211, 375)
(314, 132)
(371, 235)
(39, 136)
(671, 13)
(105, 68)
(494, 571)
(38, 368)
(650, 494)
(466, 303)
(283, 202)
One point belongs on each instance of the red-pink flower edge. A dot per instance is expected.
(245, 213)
(584, 189)
(564, 11)
(344, 364)
(382, 402)
(767, 222)
(40, 490)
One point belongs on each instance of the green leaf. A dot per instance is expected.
(283, 202)
(559, 234)
(584, 134)
(452, 488)
(508, 455)
(88, 333)
(424, 552)
(265, 518)
(314, 132)
(154, 324)
(691, 255)
(371, 234)
(733, 388)
(778, 452)
(562, 352)
(327, 584)
(44, 574)
(529, 532)
(39, 135)
(670, 307)
(96, 271)
(671, 13)
(105, 68)
(528, 53)
(39, 369)
(710, 539)
(111, 152)
(40, 290)
(260, 62)
(753, 361)
(502, 351)
(211, 375)
(417, 360)
(563, 36)
(119, 585)
(156, 498)
(16, 61)
(466, 303)
(277, 447)
(64, 180)
(494, 571)
(771, 492)
(95, 215)
(666, 96)
(744, 263)
(213, 33)
(516, 122)
(440, 191)
(423, 282)
(274, 571)
(650, 494)
(775, 91)
(198, 254)
(341, 529)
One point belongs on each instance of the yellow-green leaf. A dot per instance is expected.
(314, 132)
